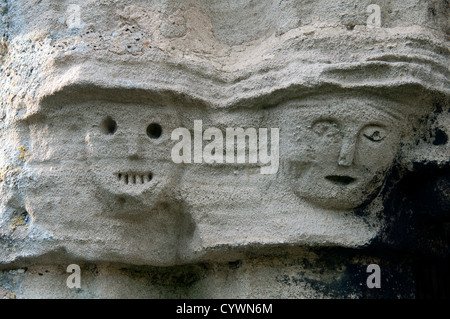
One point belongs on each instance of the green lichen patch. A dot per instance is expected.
(8, 172)
(19, 221)
(24, 154)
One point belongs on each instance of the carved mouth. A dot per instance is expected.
(340, 180)
(133, 178)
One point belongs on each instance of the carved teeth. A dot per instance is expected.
(131, 178)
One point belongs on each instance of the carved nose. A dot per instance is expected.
(133, 149)
(347, 154)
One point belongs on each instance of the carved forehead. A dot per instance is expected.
(93, 111)
(120, 101)
(351, 105)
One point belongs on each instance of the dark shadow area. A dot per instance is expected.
(418, 215)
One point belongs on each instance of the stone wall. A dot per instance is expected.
(224, 149)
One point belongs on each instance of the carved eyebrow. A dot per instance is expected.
(385, 111)
(375, 123)
(325, 119)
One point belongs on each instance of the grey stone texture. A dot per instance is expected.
(91, 93)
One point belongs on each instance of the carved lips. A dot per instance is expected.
(340, 180)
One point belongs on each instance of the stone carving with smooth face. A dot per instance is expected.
(86, 114)
(108, 165)
(347, 145)
(128, 155)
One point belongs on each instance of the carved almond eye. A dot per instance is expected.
(374, 133)
(325, 128)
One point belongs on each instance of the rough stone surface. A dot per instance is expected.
(91, 94)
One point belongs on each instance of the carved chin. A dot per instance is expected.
(338, 192)
(129, 203)
(339, 202)
(128, 193)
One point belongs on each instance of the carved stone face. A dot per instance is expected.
(346, 146)
(129, 156)
(121, 154)
(101, 174)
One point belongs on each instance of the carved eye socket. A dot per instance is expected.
(325, 128)
(374, 133)
(154, 130)
(108, 126)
